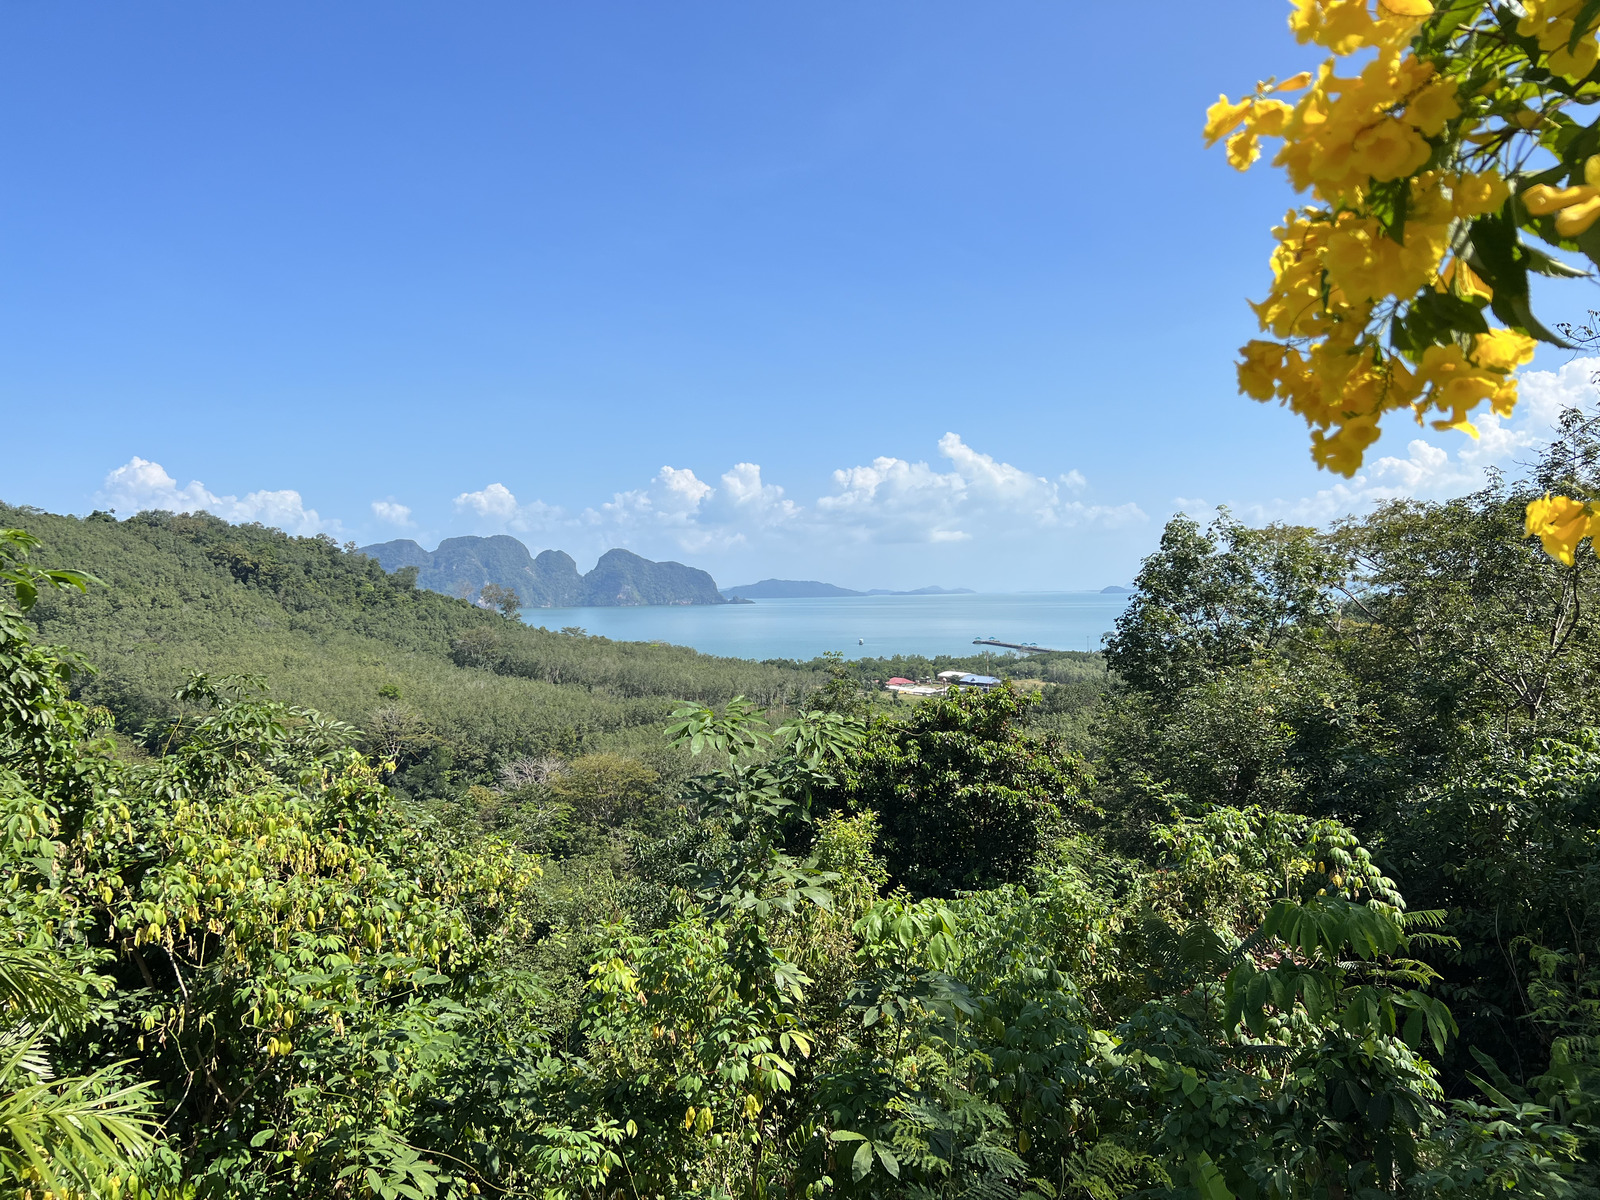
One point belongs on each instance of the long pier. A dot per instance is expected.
(1014, 646)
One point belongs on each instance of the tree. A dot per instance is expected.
(842, 692)
(1225, 597)
(1510, 848)
(503, 600)
(965, 798)
(604, 789)
(1425, 171)
(1454, 593)
(397, 734)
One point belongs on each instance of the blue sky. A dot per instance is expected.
(885, 294)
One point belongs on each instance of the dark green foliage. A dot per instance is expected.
(1512, 852)
(1335, 673)
(965, 797)
(1433, 686)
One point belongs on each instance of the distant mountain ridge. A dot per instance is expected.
(461, 566)
(806, 589)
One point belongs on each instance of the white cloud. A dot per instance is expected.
(1546, 394)
(496, 508)
(672, 497)
(494, 501)
(141, 484)
(897, 500)
(743, 489)
(1436, 472)
(889, 501)
(680, 491)
(391, 513)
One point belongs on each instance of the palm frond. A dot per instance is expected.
(71, 1132)
(32, 983)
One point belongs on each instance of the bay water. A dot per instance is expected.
(860, 626)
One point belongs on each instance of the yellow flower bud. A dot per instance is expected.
(1542, 199)
(1570, 222)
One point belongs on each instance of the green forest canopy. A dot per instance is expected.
(1297, 900)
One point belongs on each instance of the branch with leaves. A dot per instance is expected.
(1451, 162)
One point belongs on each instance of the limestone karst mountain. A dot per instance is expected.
(460, 566)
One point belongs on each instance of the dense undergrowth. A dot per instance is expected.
(1299, 900)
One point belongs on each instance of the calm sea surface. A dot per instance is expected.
(861, 626)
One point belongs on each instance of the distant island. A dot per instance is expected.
(809, 589)
(1116, 590)
(461, 566)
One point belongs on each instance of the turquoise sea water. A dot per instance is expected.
(861, 626)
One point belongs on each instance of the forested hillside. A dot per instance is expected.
(1300, 899)
(453, 691)
(462, 690)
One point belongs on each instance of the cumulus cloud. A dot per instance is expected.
(745, 493)
(494, 501)
(1434, 472)
(890, 500)
(679, 491)
(677, 506)
(141, 484)
(496, 508)
(897, 500)
(391, 513)
(672, 498)
(1545, 395)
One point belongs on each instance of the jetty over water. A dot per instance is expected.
(1025, 647)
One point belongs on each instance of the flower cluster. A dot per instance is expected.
(1415, 165)
(1561, 523)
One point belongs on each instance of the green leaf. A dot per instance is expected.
(1541, 263)
(1589, 242)
(1415, 1024)
(861, 1164)
(1581, 23)
(1207, 1179)
(890, 1163)
(1448, 312)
